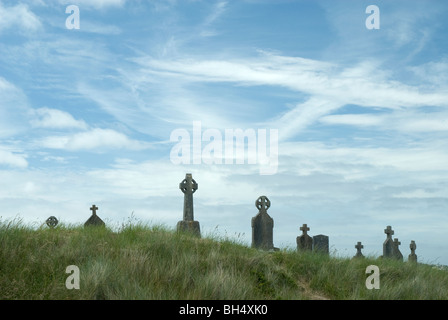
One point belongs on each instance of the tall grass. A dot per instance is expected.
(153, 262)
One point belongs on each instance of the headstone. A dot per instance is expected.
(52, 222)
(262, 226)
(188, 186)
(94, 220)
(304, 242)
(358, 247)
(388, 245)
(397, 254)
(321, 244)
(412, 257)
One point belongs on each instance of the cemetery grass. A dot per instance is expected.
(155, 262)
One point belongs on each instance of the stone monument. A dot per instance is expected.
(304, 242)
(396, 253)
(321, 244)
(94, 220)
(388, 245)
(52, 222)
(412, 257)
(189, 186)
(358, 247)
(262, 226)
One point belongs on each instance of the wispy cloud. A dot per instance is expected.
(96, 140)
(18, 17)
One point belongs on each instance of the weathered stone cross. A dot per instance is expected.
(188, 186)
(358, 247)
(93, 209)
(304, 229)
(389, 231)
(263, 203)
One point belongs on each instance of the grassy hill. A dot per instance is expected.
(153, 262)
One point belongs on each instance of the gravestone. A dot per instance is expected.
(412, 257)
(397, 254)
(388, 245)
(304, 242)
(94, 220)
(321, 244)
(188, 186)
(358, 247)
(52, 222)
(262, 226)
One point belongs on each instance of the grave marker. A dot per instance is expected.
(188, 186)
(388, 245)
(262, 226)
(358, 247)
(304, 242)
(397, 254)
(412, 257)
(94, 220)
(52, 222)
(321, 244)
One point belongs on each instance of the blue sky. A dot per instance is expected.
(86, 115)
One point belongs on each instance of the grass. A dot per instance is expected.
(154, 262)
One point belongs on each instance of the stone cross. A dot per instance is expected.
(321, 244)
(412, 257)
(388, 245)
(358, 247)
(93, 208)
(262, 226)
(52, 222)
(94, 220)
(397, 254)
(304, 242)
(188, 186)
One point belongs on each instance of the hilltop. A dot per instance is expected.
(154, 262)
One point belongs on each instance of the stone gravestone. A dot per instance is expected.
(188, 186)
(94, 220)
(397, 254)
(388, 245)
(412, 257)
(52, 222)
(321, 244)
(304, 242)
(358, 247)
(262, 226)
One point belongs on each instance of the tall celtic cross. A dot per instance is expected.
(188, 186)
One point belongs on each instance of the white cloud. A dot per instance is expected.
(93, 140)
(56, 119)
(12, 160)
(20, 17)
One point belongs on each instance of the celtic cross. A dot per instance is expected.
(188, 186)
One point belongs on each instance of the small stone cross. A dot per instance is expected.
(52, 222)
(262, 203)
(396, 242)
(304, 229)
(389, 231)
(93, 209)
(358, 247)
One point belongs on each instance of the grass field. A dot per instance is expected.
(154, 262)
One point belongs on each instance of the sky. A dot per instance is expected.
(345, 112)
